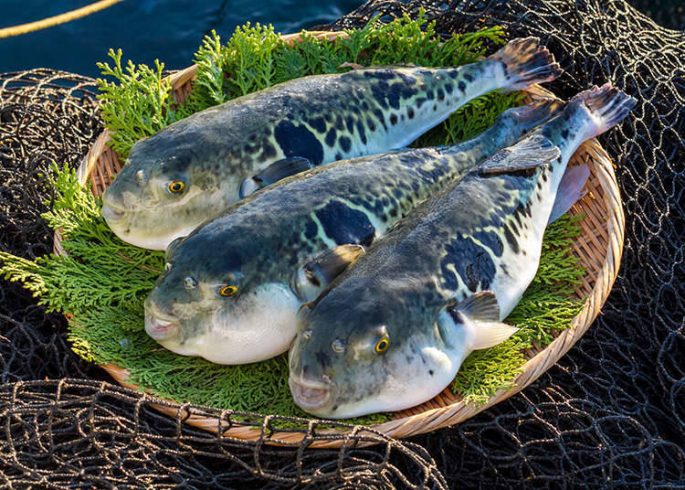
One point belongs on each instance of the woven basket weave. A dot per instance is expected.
(599, 248)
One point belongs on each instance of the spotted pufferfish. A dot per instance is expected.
(393, 329)
(234, 286)
(198, 167)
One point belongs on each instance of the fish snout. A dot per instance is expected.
(160, 328)
(310, 395)
(112, 214)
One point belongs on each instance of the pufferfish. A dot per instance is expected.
(392, 330)
(196, 168)
(233, 287)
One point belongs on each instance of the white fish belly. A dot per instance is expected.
(521, 267)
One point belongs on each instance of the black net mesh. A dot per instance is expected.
(610, 414)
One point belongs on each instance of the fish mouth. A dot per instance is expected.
(310, 395)
(112, 214)
(161, 328)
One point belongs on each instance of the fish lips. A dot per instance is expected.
(112, 215)
(160, 329)
(311, 396)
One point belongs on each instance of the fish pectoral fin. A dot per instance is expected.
(529, 154)
(315, 275)
(489, 334)
(480, 306)
(284, 168)
(474, 322)
(273, 173)
(570, 191)
(479, 314)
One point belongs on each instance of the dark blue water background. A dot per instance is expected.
(170, 30)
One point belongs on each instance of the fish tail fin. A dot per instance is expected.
(607, 106)
(526, 62)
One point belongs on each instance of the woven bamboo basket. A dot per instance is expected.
(599, 249)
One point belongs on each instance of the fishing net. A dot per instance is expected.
(610, 414)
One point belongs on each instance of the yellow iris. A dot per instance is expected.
(382, 345)
(176, 186)
(228, 290)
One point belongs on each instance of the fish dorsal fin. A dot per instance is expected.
(273, 173)
(351, 66)
(570, 190)
(529, 154)
(357, 66)
(313, 277)
(479, 314)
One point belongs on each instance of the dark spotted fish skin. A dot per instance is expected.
(469, 238)
(483, 233)
(321, 118)
(262, 243)
(269, 234)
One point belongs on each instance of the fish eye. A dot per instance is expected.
(382, 345)
(140, 177)
(176, 186)
(338, 345)
(228, 290)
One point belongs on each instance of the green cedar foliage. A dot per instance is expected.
(102, 284)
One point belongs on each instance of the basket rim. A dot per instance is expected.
(434, 418)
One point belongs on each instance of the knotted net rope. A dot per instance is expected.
(610, 414)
